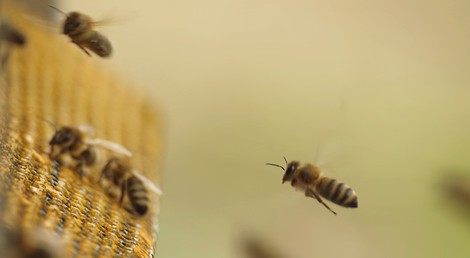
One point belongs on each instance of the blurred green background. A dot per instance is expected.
(379, 87)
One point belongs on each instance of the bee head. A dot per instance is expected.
(290, 169)
(76, 23)
(62, 140)
(115, 169)
(65, 136)
(110, 166)
(89, 156)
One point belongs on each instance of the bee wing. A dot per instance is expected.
(48, 25)
(109, 21)
(111, 146)
(149, 184)
(86, 129)
(328, 152)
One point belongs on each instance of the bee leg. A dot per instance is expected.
(311, 193)
(123, 192)
(293, 182)
(100, 180)
(80, 168)
(88, 53)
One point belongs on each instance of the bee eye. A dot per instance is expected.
(72, 24)
(65, 137)
(291, 168)
(75, 24)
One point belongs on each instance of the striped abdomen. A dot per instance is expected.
(138, 195)
(99, 44)
(337, 192)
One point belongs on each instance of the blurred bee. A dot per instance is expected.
(9, 36)
(308, 178)
(80, 28)
(39, 243)
(457, 187)
(256, 247)
(131, 184)
(75, 147)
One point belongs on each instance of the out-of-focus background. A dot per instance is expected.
(378, 88)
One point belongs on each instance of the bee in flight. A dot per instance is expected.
(80, 28)
(9, 36)
(257, 247)
(75, 147)
(16, 242)
(308, 178)
(457, 187)
(131, 184)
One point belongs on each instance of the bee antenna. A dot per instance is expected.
(50, 123)
(275, 165)
(57, 9)
(285, 160)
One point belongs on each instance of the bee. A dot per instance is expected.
(457, 187)
(76, 147)
(39, 243)
(80, 29)
(131, 184)
(9, 36)
(256, 247)
(12, 35)
(308, 178)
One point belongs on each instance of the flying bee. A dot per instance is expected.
(39, 243)
(9, 36)
(457, 187)
(131, 183)
(308, 178)
(256, 247)
(80, 28)
(76, 147)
